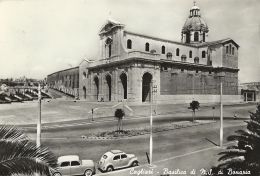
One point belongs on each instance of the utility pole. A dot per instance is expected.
(151, 124)
(38, 139)
(221, 116)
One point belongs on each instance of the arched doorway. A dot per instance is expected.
(123, 79)
(96, 87)
(84, 92)
(108, 80)
(146, 87)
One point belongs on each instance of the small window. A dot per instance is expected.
(226, 49)
(75, 163)
(197, 71)
(233, 50)
(109, 50)
(203, 54)
(117, 157)
(190, 54)
(169, 55)
(163, 49)
(129, 44)
(177, 52)
(65, 164)
(204, 37)
(165, 68)
(210, 72)
(182, 70)
(196, 36)
(147, 47)
(229, 48)
(84, 74)
(123, 156)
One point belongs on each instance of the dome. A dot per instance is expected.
(195, 23)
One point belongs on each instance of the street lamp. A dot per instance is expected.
(38, 137)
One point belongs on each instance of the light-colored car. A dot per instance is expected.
(116, 159)
(71, 165)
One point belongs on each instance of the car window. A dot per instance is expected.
(64, 164)
(123, 156)
(75, 163)
(117, 157)
(105, 156)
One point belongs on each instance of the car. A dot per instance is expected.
(116, 159)
(71, 165)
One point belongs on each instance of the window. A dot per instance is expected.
(229, 48)
(117, 157)
(210, 72)
(123, 156)
(169, 55)
(165, 68)
(163, 49)
(204, 37)
(129, 44)
(75, 163)
(196, 36)
(190, 54)
(197, 71)
(147, 47)
(182, 70)
(226, 49)
(109, 50)
(196, 60)
(233, 50)
(64, 164)
(203, 54)
(177, 52)
(84, 75)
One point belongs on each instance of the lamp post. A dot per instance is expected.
(221, 75)
(151, 125)
(38, 140)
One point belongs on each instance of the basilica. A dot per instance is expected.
(137, 67)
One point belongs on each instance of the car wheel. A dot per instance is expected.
(57, 174)
(110, 168)
(135, 163)
(88, 172)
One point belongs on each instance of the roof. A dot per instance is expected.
(116, 151)
(110, 24)
(77, 67)
(68, 158)
(223, 41)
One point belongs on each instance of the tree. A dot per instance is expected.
(193, 106)
(19, 156)
(243, 156)
(119, 114)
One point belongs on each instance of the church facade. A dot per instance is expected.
(140, 68)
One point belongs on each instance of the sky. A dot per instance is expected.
(39, 37)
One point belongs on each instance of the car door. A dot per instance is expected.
(124, 160)
(65, 168)
(117, 162)
(75, 168)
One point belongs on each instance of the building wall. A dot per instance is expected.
(66, 81)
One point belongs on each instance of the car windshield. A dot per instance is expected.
(105, 156)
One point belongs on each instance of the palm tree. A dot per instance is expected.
(193, 106)
(19, 156)
(244, 154)
(119, 114)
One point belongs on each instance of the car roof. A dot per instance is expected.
(116, 151)
(68, 158)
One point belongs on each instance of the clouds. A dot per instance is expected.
(38, 37)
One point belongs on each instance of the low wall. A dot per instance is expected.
(179, 99)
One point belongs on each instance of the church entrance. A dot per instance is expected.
(146, 87)
(108, 94)
(96, 87)
(123, 79)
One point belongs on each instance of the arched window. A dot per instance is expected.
(229, 48)
(84, 75)
(196, 36)
(190, 54)
(177, 52)
(203, 54)
(109, 50)
(233, 50)
(226, 49)
(147, 47)
(196, 60)
(204, 37)
(129, 44)
(169, 55)
(163, 49)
